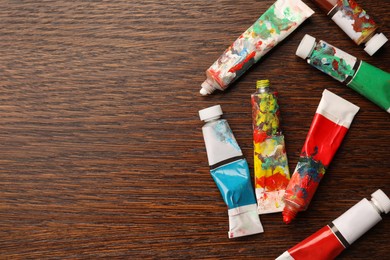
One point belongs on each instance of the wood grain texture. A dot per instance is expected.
(101, 148)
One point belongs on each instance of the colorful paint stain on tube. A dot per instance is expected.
(270, 159)
(328, 242)
(230, 172)
(369, 81)
(282, 18)
(331, 122)
(355, 22)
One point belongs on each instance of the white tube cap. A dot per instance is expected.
(203, 91)
(382, 200)
(210, 113)
(306, 46)
(375, 43)
(208, 87)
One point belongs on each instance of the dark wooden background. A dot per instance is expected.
(102, 154)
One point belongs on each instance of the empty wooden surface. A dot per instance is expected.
(101, 148)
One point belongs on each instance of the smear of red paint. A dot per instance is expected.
(273, 183)
(300, 195)
(306, 181)
(335, 65)
(353, 4)
(258, 44)
(241, 64)
(259, 136)
(260, 182)
(216, 76)
(354, 12)
(309, 185)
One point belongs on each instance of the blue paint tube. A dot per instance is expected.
(230, 172)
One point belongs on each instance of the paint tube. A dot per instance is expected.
(282, 18)
(328, 242)
(331, 122)
(230, 172)
(369, 81)
(355, 22)
(270, 158)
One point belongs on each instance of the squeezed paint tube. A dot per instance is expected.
(328, 242)
(355, 22)
(230, 172)
(282, 18)
(270, 158)
(369, 81)
(331, 122)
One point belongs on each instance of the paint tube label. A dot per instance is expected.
(357, 221)
(270, 158)
(333, 61)
(282, 18)
(353, 20)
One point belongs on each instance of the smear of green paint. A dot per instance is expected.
(260, 28)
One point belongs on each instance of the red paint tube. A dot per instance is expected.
(331, 122)
(328, 242)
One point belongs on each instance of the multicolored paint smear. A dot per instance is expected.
(353, 20)
(332, 61)
(270, 159)
(305, 180)
(327, 130)
(282, 18)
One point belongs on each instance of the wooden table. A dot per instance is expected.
(102, 154)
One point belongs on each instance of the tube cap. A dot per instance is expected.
(375, 43)
(264, 83)
(382, 199)
(306, 46)
(208, 87)
(210, 113)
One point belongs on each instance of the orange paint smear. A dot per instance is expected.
(259, 136)
(273, 183)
